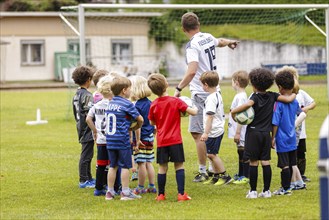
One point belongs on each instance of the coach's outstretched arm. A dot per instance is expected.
(222, 42)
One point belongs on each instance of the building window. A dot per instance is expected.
(73, 46)
(32, 52)
(121, 52)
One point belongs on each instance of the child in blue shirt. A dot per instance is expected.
(119, 115)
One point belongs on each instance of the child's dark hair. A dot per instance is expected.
(285, 79)
(82, 74)
(261, 78)
(241, 77)
(210, 78)
(99, 74)
(119, 83)
(157, 83)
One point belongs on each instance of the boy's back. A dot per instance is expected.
(263, 107)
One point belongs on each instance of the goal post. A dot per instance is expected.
(272, 21)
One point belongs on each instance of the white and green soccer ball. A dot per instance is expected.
(245, 117)
(188, 102)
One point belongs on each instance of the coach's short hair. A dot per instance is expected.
(82, 74)
(119, 83)
(210, 77)
(261, 78)
(157, 83)
(241, 77)
(285, 79)
(190, 21)
(139, 88)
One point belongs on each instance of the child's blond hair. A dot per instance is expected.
(241, 77)
(157, 83)
(139, 88)
(104, 86)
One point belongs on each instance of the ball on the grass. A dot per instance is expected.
(245, 117)
(188, 102)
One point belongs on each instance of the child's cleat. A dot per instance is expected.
(266, 194)
(130, 196)
(299, 186)
(183, 197)
(160, 197)
(251, 195)
(98, 192)
(200, 177)
(236, 176)
(305, 179)
(93, 181)
(134, 176)
(210, 173)
(109, 196)
(151, 190)
(212, 181)
(228, 179)
(241, 180)
(220, 182)
(87, 184)
(139, 190)
(282, 191)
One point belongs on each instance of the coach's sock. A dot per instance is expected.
(253, 177)
(246, 169)
(202, 169)
(267, 177)
(180, 179)
(285, 178)
(162, 183)
(100, 177)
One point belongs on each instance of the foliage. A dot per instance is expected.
(39, 169)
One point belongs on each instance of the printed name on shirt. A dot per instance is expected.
(114, 107)
(100, 111)
(205, 41)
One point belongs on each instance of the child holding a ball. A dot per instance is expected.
(258, 135)
(165, 115)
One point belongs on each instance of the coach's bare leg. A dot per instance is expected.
(200, 148)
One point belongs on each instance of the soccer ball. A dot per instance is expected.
(188, 102)
(245, 117)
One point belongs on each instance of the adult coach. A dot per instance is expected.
(200, 57)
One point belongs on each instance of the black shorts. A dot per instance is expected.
(213, 144)
(258, 145)
(172, 153)
(287, 159)
(102, 156)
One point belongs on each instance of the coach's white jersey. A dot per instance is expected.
(202, 49)
(303, 99)
(97, 112)
(239, 99)
(214, 106)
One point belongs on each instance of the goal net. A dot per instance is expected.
(141, 40)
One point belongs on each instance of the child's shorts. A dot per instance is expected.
(102, 155)
(120, 158)
(258, 145)
(286, 159)
(172, 153)
(213, 144)
(145, 153)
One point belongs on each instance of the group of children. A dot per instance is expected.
(122, 120)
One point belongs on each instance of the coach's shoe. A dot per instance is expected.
(266, 194)
(282, 191)
(210, 173)
(130, 196)
(183, 197)
(251, 195)
(241, 180)
(200, 177)
(98, 192)
(160, 197)
(220, 182)
(226, 179)
(212, 180)
(87, 184)
(109, 196)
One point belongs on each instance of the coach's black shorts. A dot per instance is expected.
(287, 159)
(213, 144)
(258, 145)
(172, 153)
